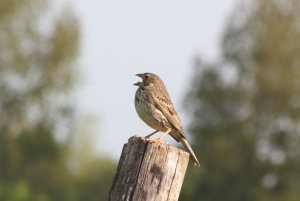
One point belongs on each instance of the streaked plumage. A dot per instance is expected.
(155, 108)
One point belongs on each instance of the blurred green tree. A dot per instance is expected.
(38, 53)
(94, 179)
(246, 109)
(36, 74)
(92, 175)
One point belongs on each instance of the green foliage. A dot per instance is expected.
(246, 109)
(95, 179)
(37, 73)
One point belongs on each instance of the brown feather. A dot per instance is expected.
(154, 106)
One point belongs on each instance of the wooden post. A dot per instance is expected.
(149, 171)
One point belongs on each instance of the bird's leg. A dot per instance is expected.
(151, 134)
(162, 135)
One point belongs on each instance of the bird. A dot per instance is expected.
(154, 106)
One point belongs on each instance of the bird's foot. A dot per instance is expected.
(148, 136)
(158, 140)
(149, 140)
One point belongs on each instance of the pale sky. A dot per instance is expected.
(123, 38)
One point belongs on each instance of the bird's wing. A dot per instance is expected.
(165, 105)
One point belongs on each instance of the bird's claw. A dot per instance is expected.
(149, 140)
(157, 140)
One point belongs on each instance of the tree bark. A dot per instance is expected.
(149, 171)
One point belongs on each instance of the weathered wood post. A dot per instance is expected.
(149, 171)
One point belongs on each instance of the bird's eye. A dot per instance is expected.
(146, 76)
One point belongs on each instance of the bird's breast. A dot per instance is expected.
(148, 112)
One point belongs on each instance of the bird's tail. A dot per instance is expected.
(186, 145)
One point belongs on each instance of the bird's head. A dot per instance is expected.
(149, 80)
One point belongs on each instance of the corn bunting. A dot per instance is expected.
(155, 108)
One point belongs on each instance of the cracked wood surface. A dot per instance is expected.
(149, 171)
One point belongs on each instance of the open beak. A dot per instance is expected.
(138, 83)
